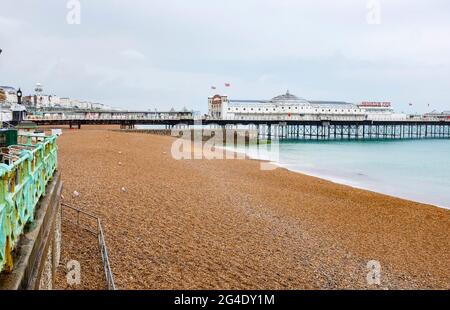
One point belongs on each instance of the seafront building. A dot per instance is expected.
(445, 115)
(42, 101)
(39, 103)
(8, 94)
(290, 107)
(8, 103)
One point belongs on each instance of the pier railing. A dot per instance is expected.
(25, 170)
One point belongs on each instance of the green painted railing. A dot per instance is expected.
(25, 171)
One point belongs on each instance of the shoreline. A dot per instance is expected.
(336, 180)
(225, 224)
(339, 180)
(349, 183)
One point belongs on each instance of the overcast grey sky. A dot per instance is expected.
(162, 53)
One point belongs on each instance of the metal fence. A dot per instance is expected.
(98, 231)
(25, 171)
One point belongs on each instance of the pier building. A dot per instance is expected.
(290, 107)
(445, 115)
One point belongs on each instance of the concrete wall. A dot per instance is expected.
(37, 254)
(162, 132)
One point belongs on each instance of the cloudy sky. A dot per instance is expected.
(146, 54)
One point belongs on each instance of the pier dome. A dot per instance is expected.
(288, 98)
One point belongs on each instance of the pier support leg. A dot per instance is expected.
(257, 134)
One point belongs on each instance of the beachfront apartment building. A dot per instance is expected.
(55, 102)
(42, 101)
(290, 107)
(65, 102)
(8, 95)
(47, 101)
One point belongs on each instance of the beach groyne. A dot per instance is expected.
(220, 135)
(162, 132)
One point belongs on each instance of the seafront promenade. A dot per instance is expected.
(226, 224)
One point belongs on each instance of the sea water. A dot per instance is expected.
(412, 169)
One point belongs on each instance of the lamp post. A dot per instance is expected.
(18, 110)
(19, 96)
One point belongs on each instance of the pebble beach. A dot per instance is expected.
(227, 224)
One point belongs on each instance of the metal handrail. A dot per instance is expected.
(101, 241)
(105, 258)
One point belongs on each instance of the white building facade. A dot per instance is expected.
(444, 115)
(290, 107)
(8, 95)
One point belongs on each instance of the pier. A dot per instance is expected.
(353, 130)
(417, 128)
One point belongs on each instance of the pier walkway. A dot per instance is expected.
(321, 129)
